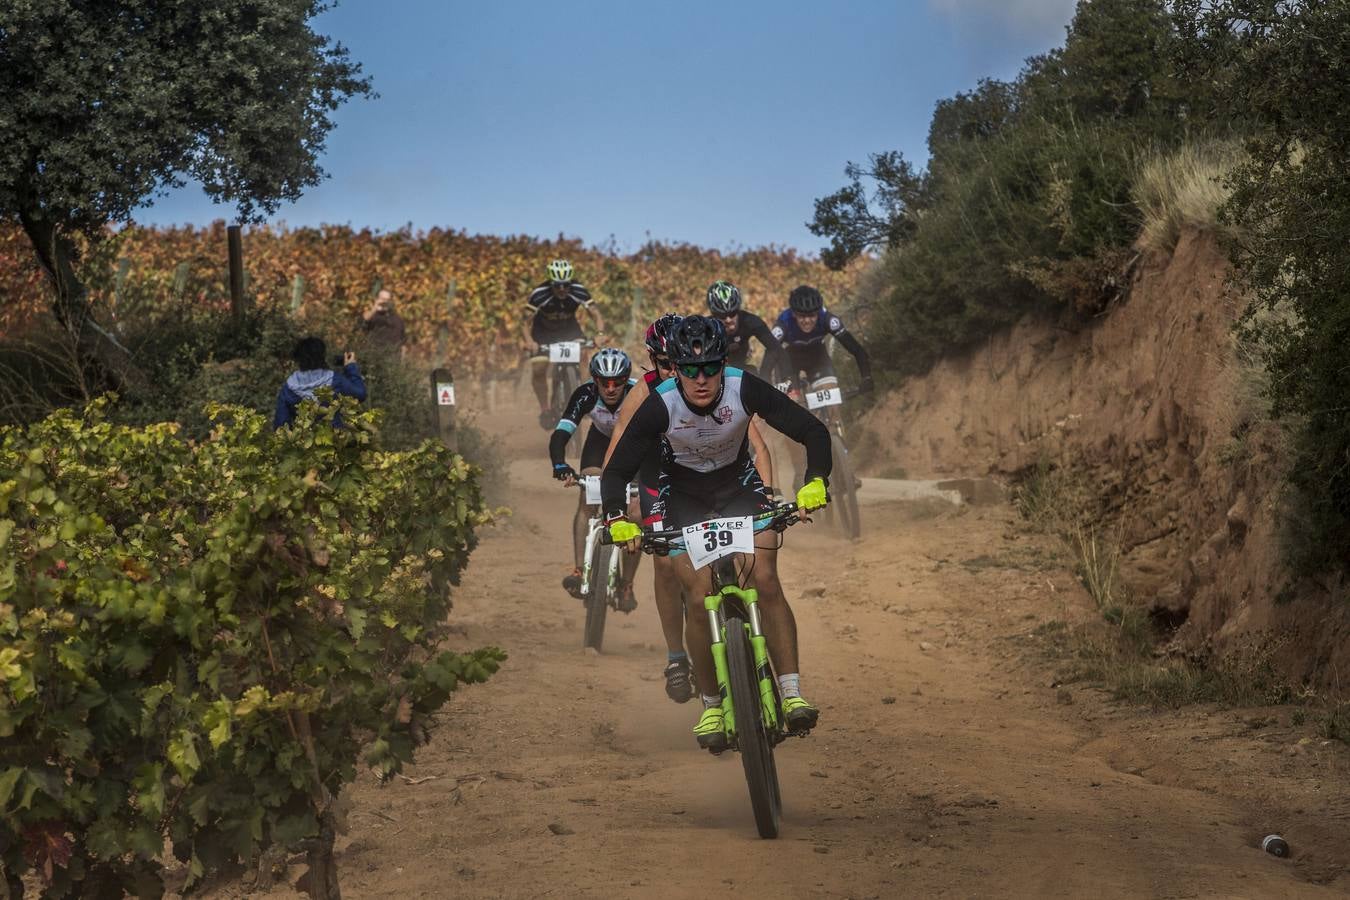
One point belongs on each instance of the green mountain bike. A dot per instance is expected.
(750, 699)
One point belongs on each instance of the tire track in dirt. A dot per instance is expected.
(943, 766)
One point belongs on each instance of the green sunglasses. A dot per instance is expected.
(709, 368)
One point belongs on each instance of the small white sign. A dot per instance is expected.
(784, 386)
(445, 393)
(592, 486)
(565, 352)
(821, 399)
(716, 538)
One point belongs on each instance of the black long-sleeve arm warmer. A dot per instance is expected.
(758, 329)
(639, 438)
(774, 407)
(557, 446)
(852, 346)
(581, 402)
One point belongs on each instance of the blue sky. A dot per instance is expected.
(713, 123)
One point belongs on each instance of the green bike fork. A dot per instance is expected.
(759, 647)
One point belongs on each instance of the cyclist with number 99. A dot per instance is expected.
(704, 414)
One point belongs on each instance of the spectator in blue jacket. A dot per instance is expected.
(312, 373)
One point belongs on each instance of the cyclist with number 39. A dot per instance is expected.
(703, 414)
(669, 602)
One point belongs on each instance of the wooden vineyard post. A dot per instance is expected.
(297, 293)
(180, 278)
(121, 309)
(443, 399)
(635, 329)
(236, 255)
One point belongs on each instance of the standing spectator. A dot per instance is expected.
(384, 328)
(312, 373)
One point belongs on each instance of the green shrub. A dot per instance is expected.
(1282, 71)
(200, 637)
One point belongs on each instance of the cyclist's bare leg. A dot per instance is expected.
(539, 379)
(580, 520)
(669, 602)
(780, 625)
(628, 563)
(697, 632)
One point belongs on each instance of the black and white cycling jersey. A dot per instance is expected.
(707, 448)
(585, 401)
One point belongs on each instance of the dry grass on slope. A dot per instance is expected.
(1183, 189)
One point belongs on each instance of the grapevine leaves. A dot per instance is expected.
(203, 639)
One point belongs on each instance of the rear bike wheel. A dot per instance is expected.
(761, 772)
(845, 491)
(597, 595)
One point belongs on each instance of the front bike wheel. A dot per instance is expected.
(564, 383)
(845, 491)
(761, 772)
(597, 596)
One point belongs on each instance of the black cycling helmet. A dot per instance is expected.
(657, 339)
(724, 298)
(698, 339)
(805, 299)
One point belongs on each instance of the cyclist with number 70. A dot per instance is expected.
(704, 413)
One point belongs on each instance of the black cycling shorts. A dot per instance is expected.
(738, 495)
(593, 449)
(813, 360)
(542, 333)
(648, 499)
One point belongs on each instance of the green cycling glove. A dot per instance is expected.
(812, 495)
(622, 531)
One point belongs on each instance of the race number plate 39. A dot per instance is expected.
(592, 483)
(565, 352)
(445, 393)
(716, 538)
(821, 399)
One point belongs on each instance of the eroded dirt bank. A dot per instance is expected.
(1151, 402)
(945, 764)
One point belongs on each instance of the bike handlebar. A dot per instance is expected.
(666, 539)
(586, 344)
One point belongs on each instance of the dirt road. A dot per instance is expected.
(945, 763)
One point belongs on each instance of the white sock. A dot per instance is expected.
(711, 700)
(790, 685)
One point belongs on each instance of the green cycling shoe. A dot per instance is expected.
(799, 715)
(711, 730)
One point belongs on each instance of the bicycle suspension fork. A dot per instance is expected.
(725, 585)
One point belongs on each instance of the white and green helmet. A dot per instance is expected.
(560, 270)
(724, 298)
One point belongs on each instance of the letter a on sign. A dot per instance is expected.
(445, 394)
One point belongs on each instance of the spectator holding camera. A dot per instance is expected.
(311, 374)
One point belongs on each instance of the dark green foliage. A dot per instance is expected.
(105, 104)
(1286, 74)
(846, 216)
(1026, 201)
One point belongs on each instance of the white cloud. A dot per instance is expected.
(1041, 19)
